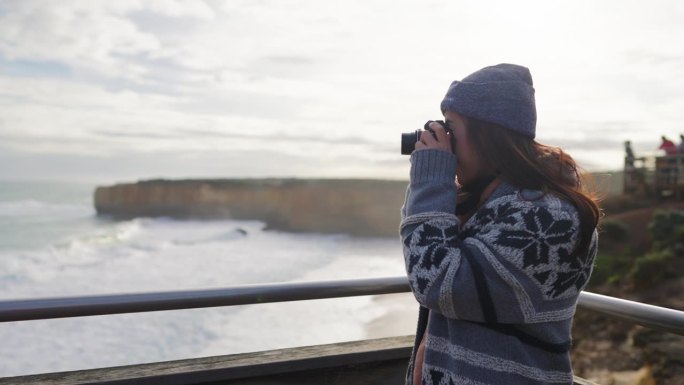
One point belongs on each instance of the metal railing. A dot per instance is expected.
(34, 309)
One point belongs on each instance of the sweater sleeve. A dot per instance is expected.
(433, 183)
(517, 266)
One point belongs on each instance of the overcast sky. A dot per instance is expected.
(125, 90)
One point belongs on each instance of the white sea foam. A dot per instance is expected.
(147, 254)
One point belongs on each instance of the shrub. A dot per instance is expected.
(614, 230)
(610, 268)
(653, 268)
(665, 260)
(667, 229)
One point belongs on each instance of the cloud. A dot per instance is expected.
(123, 39)
(323, 80)
(243, 103)
(90, 38)
(284, 138)
(134, 135)
(237, 163)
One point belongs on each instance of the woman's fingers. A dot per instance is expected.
(439, 131)
(427, 138)
(437, 138)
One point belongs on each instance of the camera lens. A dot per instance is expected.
(409, 139)
(408, 142)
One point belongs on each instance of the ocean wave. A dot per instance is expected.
(150, 254)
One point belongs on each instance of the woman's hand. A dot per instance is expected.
(437, 139)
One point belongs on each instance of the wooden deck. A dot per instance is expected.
(378, 361)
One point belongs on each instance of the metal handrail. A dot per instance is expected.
(655, 317)
(47, 308)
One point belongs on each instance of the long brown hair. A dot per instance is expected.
(525, 163)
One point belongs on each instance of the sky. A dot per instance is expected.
(127, 90)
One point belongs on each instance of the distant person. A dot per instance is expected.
(668, 146)
(681, 144)
(633, 176)
(629, 155)
(668, 171)
(499, 239)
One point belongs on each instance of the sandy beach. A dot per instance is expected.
(399, 319)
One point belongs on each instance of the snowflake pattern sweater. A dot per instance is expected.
(498, 292)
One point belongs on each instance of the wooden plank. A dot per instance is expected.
(377, 361)
(376, 373)
(221, 368)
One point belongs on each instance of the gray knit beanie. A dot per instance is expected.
(501, 94)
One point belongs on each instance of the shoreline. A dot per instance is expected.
(400, 316)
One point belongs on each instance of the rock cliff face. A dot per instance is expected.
(352, 206)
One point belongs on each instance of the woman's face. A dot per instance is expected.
(469, 166)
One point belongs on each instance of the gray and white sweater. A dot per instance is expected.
(498, 292)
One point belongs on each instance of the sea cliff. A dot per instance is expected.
(362, 207)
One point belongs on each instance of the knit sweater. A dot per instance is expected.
(497, 294)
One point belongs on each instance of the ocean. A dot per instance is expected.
(53, 244)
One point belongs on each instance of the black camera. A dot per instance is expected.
(409, 139)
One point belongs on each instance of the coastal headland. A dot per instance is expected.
(360, 207)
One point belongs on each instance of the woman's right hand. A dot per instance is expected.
(437, 139)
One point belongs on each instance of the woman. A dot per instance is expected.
(497, 259)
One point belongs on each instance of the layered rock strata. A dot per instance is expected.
(352, 206)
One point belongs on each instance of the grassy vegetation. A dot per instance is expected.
(620, 262)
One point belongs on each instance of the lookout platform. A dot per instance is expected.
(375, 361)
(659, 177)
(366, 362)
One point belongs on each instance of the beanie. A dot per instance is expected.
(501, 94)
